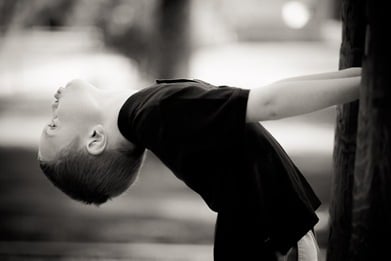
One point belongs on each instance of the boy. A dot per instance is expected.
(210, 138)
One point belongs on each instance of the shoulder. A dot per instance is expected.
(180, 92)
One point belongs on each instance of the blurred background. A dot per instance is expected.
(128, 44)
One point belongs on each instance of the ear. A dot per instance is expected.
(97, 140)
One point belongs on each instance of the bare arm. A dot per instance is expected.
(303, 95)
(345, 73)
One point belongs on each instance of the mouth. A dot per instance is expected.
(57, 97)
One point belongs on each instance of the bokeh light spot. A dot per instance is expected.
(295, 14)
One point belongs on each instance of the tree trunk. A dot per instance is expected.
(371, 223)
(173, 38)
(7, 11)
(351, 52)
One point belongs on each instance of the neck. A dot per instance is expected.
(111, 102)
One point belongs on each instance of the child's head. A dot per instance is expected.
(81, 150)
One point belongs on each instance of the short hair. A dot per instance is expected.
(93, 179)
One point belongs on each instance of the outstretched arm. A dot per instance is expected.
(345, 73)
(302, 95)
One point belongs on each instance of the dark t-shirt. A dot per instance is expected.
(199, 132)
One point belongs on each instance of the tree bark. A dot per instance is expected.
(371, 223)
(351, 52)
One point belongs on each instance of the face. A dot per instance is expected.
(74, 111)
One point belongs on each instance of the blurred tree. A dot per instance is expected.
(154, 33)
(7, 9)
(351, 52)
(127, 27)
(17, 14)
(336, 9)
(51, 14)
(173, 38)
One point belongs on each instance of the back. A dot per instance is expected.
(199, 131)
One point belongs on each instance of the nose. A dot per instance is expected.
(57, 95)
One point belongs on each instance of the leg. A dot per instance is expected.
(308, 249)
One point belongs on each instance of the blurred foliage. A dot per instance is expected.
(19, 14)
(129, 27)
(159, 34)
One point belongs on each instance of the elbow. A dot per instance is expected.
(273, 115)
(262, 108)
(270, 106)
(271, 111)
